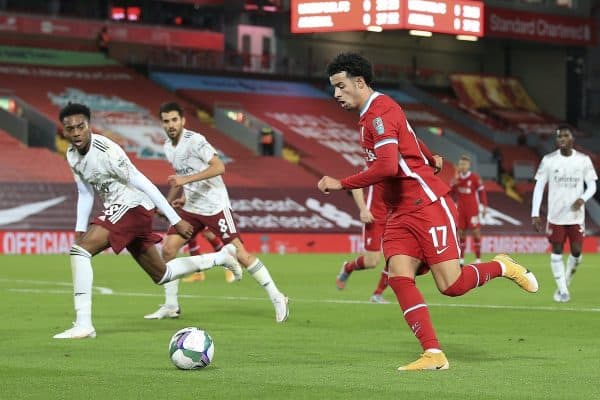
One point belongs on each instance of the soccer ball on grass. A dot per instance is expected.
(191, 348)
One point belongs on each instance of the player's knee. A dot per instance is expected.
(168, 253)
(456, 289)
(372, 261)
(575, 253)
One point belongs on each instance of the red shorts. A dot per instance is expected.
(560, 233)
(221, 224)
(428, 234)
(133, 230)
(468, 220)
(373, 235)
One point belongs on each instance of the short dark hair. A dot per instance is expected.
(465, 157)
(353, 64)
(170, 106)
(74, 109)
(564, 127)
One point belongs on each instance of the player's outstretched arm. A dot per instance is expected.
(85, 202)
(140, 182)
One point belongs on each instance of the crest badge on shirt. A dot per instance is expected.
(378, 125)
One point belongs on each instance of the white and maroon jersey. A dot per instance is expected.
(190, 156)
(469, 192)
(107, 169)
(383, 122)
(565, 177)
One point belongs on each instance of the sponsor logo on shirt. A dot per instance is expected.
(378, 125)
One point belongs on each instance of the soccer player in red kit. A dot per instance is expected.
(469, 193)
(420, 232)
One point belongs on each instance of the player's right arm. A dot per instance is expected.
(120, 166)
(85, 202)
(541, 177)
(359, 198)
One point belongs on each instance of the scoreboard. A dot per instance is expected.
(458, 17)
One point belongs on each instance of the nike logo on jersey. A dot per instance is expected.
(442, 250)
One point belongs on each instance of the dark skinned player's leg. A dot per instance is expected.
(574, 259)
(92, 242)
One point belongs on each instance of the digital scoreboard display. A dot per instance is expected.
(459, 17)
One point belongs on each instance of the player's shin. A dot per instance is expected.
(182, 266)
(261, 274)
(477, 247)
(383, 283)
(83, 276)
(415, 311)
(472, 276)
(572, 263)
(558, 270)
(171, 291)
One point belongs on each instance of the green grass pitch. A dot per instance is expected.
(502, 343)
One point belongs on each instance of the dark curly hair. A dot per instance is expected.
(170, 106)
(74, 109)
(353, 64)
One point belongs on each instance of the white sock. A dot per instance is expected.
(83, 276)
(558, 270)
(261, 274)
(182, 266)
(572, 263)
(171, 290)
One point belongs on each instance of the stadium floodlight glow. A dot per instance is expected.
(415, 32)
(469, 38)
(374, 28)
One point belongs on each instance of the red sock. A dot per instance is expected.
(216, 243)
(357, 264)
(472, 276)
(477, 245)
(383, 283)
(415, 311)
(463, 246)
(193, 246)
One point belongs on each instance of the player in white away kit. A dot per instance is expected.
(565, 170)
(204, 203)
(129, 200)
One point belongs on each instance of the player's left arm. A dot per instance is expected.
(481, 192)
(589, 178)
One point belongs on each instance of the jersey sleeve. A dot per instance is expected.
(589, 172)
(481, 190)
(119, 165)
(542, 171)
(383, 128)
(202, 149)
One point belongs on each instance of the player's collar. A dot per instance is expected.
(463, 176)
(372, 97)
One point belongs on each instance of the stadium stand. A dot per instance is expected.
(124, 106)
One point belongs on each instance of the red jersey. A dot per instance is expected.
(469, 192)
(396, 158)
(374, 202)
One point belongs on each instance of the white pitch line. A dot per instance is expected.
(102, 290)
(328, 301)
